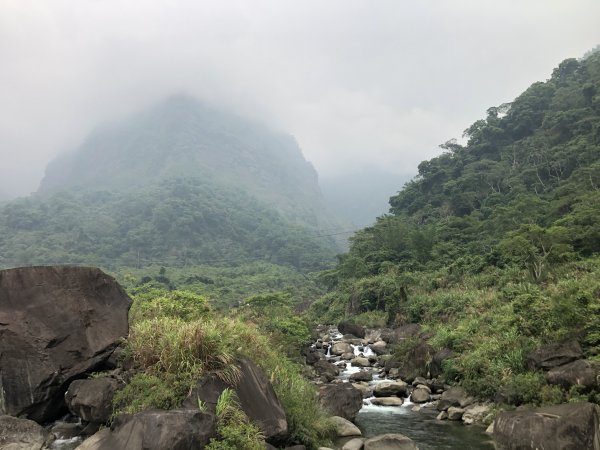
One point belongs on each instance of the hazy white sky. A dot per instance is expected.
(356, 82)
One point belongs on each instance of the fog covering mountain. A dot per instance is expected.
(181, 183)
(360, 197)
(182, 137)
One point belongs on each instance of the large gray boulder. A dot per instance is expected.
(256, 395)
(570, 426)
(581, 373)
(387, 401)
(353, 444)
(177, 429)
(92, 399)
(57, 323)
(351, 328)
(344, 428)
(326, 370)
(416, 363)
(390, 441)
(341, 399)
(390, 388)
(420, 395)
(379, 347)
(556, 354)
(363, 375)
(20, 434)
(455, 396)
(339, 348)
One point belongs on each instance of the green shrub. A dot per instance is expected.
(527, 388)
(275, 316)
(551, 395)
(146, 391)
(371, 319)
(153, 303)
(235, 431)
(188, 349)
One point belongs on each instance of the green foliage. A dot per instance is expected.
(151, 303)
(171, 353)
(177, 222)
(225, 286)
(275, 316)
(371, 319)
(234, 429)
(402, 350)
(494, 246)
(523, 191)
(530, 388)
(147, 391)
(167, 345)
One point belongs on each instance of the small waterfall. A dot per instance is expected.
(416, 421)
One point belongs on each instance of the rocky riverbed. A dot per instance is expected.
(60, 324)
(426, 411)
(381, 393)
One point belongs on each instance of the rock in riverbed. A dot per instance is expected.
(569, 426)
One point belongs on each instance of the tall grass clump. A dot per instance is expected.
(308, 424)
(235, 431)
(170, 354)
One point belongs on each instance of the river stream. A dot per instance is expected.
(417, 422)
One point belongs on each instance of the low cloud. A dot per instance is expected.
(356, 82)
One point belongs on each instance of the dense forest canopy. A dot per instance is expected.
(179, 185)
(524, 189)
(493, 248)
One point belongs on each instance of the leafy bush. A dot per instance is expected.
(146, 391)
(188, 349)
(371, 319)
(150, 303)
(172, 354)
(274, 314)
(235, 431)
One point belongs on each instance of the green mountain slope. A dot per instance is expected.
(528, 177)
(182, 137)
(494, 247)
(179, 185)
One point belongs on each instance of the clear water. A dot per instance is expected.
(423, 428)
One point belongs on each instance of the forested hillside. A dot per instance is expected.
(177, 222)
(182, 137)
(493, 246)
(179, 185)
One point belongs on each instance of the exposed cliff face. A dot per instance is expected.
(56, 323)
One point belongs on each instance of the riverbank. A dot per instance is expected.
(358, 382)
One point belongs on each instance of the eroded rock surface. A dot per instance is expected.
(571, 426)
(256, 394)
(56, 323)
(178, 429)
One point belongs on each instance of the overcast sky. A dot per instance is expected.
(356, 82)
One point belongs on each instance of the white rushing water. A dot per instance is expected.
(415, 421)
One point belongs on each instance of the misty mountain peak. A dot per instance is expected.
(183, 137)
